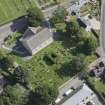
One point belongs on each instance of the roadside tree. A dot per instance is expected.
(35, 16)
(14, 95)
(46, 94)
(59, 15)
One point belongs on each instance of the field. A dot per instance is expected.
(11, 9)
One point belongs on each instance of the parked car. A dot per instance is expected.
(68, 92)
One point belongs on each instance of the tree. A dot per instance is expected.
(72, 27)
(89, 44)
(2, 55)
(20, 75)
(57, 1)
(8, 62)
(35, 16)
(14, 95)
(46, 94)
(78, 64)
(58, 15)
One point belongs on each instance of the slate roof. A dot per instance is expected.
(34, 38)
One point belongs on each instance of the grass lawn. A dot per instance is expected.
(99, 85)
(12, 39)
(11, 9)
(44, 72)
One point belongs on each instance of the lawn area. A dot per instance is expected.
(99, 85)
(12, 39)
(12, 9)
(44, 72)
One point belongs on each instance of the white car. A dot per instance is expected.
(68, 92)
(58, 100)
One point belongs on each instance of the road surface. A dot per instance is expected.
(102, 30)
(49, 11)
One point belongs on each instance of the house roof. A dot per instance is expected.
(34, 38)
(81, 97)
(30, 32)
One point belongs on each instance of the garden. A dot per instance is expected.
(70, 54)
(12, 39)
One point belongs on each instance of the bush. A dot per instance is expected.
(8, 62)
(46, 94)
(58, 16)
(20, 75)
(14, 95)
(51, 59)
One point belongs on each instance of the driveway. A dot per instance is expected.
(102, 36)
(74, 82)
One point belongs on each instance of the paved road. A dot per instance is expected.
(49, 11)
(102, 36)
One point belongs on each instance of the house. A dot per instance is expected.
(85, 96)
(35, 39)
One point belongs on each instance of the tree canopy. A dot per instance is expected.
(87, 43)
(72, 27)
(58, 15)
(78, 64)
(46, 94)
(35, 16)
(14, 95)
(20, 75)
(90, 44)
(8, 62)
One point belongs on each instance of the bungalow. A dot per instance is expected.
(35, 39)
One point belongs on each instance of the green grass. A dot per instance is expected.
(11, 9)
(44, 72)
(12, 39)
(99, 85)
